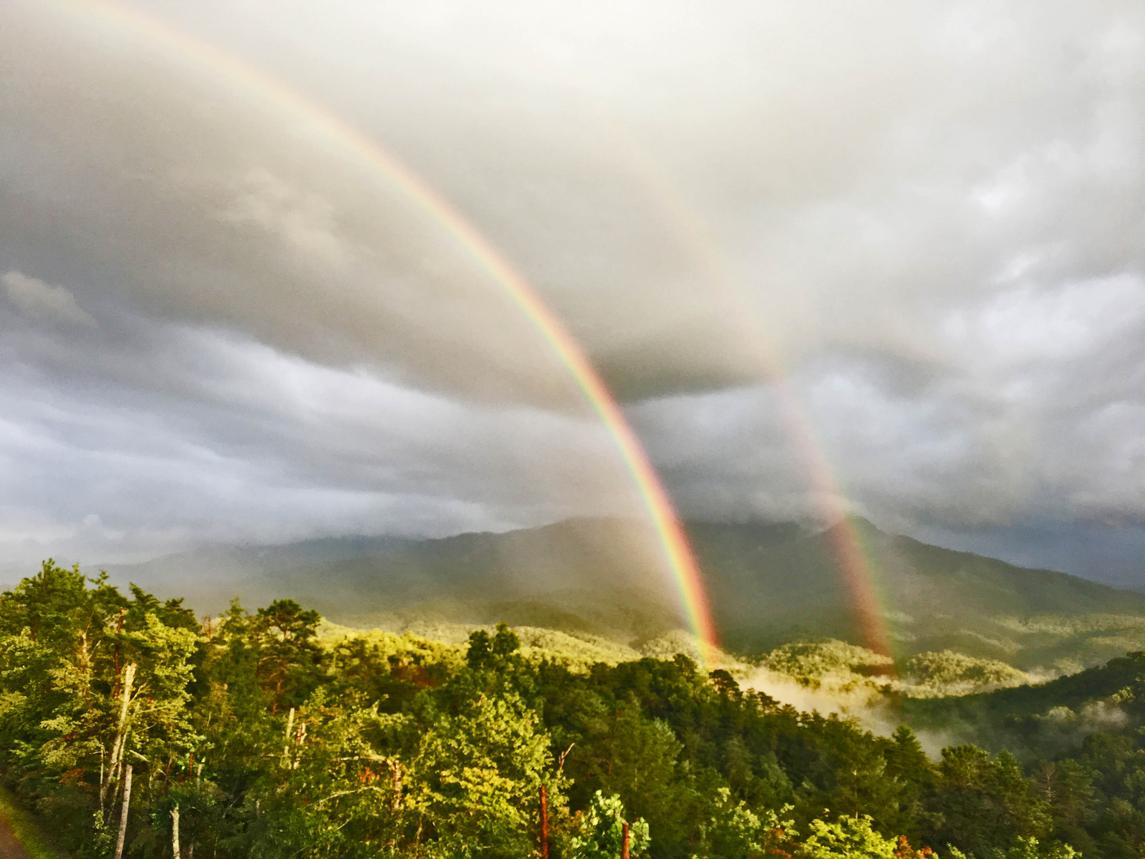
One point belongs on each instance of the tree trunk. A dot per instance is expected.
(102, 783)
(544, 823)
(120, 731)
(176, 853)
(396, 802)
(123, 812)
(623, 841)
(286, 738)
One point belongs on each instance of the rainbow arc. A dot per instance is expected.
(423, 197)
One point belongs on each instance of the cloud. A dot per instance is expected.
(162, 437)
(906, 238)
(42, 301)
(304, 223)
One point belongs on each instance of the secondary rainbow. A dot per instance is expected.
(851, 558)
(207, 58)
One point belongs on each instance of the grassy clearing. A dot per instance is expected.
(28, 831)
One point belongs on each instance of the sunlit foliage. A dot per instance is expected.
(252, 734)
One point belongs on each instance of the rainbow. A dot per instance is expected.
(853, 561)
(845, 540)
(206, 58)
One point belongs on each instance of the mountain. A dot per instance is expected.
(930, 599)
(587, 575)
(768, 583)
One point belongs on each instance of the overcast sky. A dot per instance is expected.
(906, 237)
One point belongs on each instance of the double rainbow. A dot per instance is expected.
(845, 541)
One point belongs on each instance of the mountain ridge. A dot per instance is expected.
(768, 583)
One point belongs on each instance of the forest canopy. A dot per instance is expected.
(136, 729)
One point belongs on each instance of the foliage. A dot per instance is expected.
(949, 673)
(264, 734)
(600, 831)
(848, 837)
(809, 662)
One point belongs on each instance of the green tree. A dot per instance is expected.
(601, 830)
(475, 776)
(289, 658)
(913, 776)
(96, 686)
(733, 829)
(1030, 848)
(335, 788)
(848, 837)
(984, 802)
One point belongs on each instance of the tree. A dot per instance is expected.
(848, 837)
(733, 829)
(601, 830)
(475, 774)
(986, 801)
(284, 636)
(912, 773)
(101, 687)
(335, 790)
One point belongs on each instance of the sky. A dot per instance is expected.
(882, 258)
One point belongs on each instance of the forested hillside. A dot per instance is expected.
(1053, 717)
(124, 720)
(768, 584)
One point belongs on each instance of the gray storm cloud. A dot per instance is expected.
(920, 223)
(40, 300)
